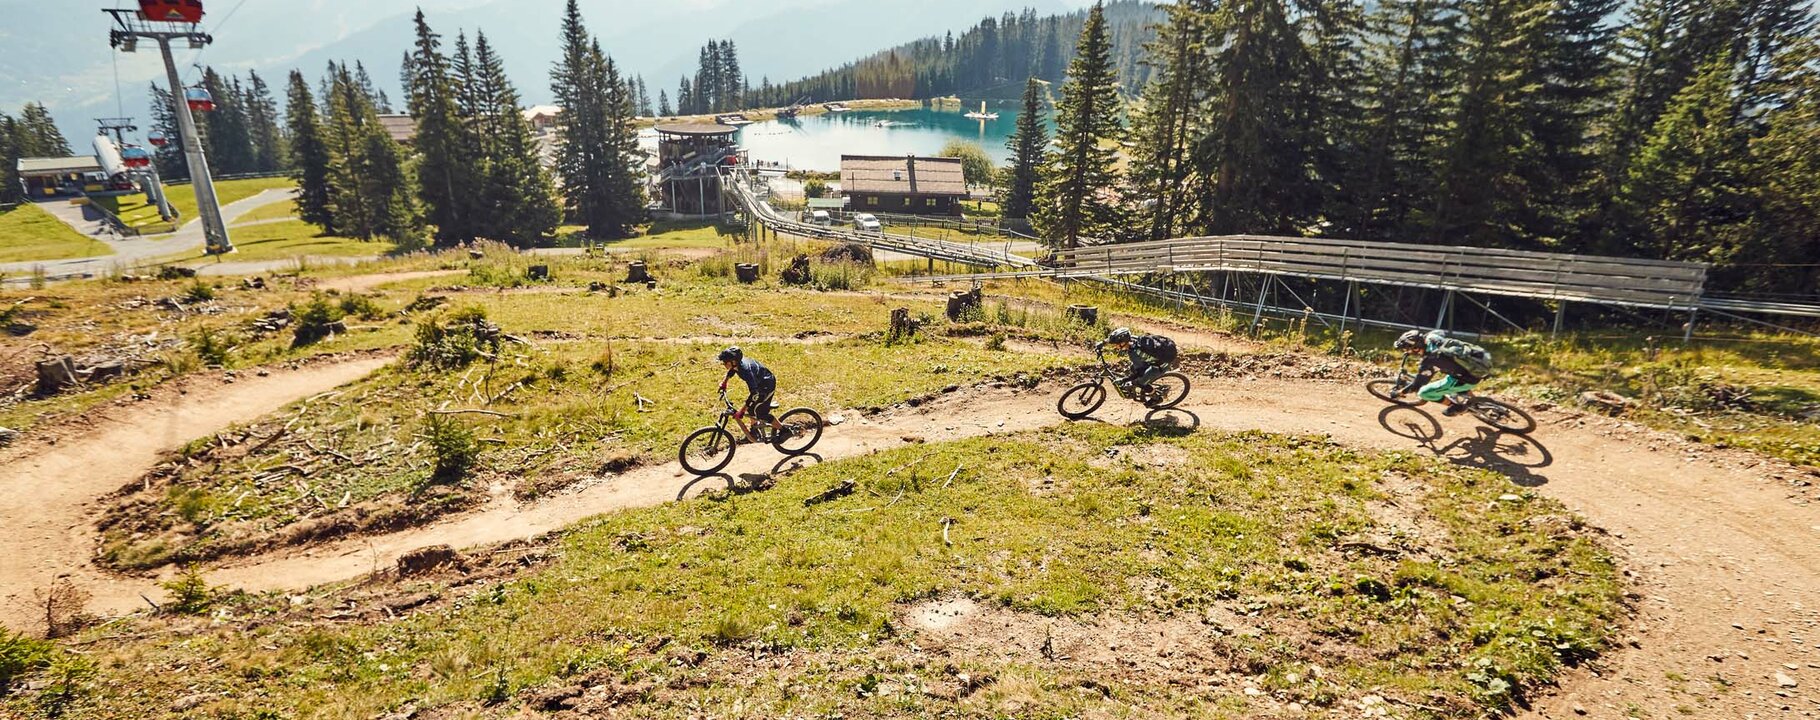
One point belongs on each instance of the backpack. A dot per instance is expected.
(1156, 346)
(1475, 359)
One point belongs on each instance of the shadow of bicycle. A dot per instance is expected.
(721, 485)
(1171, 422)
(1514, 456)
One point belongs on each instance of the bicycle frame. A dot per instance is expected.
(1108, 377)
(750, 427)
(1406, 373)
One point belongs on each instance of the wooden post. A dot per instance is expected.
(1560, 316)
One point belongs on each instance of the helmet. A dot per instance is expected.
(1119, 336)
(1409, 340)
(731, 354)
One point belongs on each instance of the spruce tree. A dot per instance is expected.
(10, 190)
(1027, 142)
(625, 188)
(1411, 64)
(444, 168)
(598, 140)
(1785, 164)
(1483, 198)
(169, 159)
(1251, 157)
(685, 99)
(370, 183)
(1076, 198)
(262, 118)
(1164, 122)
(733, 81)
(663, 104)
(518, 192)
(38, 133)
(309, 155)
(1686, 189)
(226, 135)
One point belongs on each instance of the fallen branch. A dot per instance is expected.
(845, 488)
(473, 411)
(642, 402)
(320, 451)
(946, 523)
(148, 601)
(905, 466)
(957, 471)
(1366, 547)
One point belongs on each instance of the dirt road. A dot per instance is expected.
(48, 489)
(1726, 558)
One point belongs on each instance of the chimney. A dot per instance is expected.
(910, 162)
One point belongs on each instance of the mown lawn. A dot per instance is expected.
(661, 234)
(287, 239)
(269, 211)
(1241, 548)
(29, 233)
(135, 211)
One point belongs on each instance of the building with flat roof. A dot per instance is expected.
(689, 158)
(903, 184)
(53, 176)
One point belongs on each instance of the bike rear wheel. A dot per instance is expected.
(1081, 400)
(706, 451)
(1501, 416)
(1167, 391)
(1386, 388)
(802, 428)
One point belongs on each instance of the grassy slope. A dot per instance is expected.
(1082, 521)
(29, 233)
(135, 211)
(288, 239)
(270, 211)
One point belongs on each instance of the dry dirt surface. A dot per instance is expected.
(49, 485)
(1724, 557)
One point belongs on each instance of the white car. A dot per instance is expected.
(867, 223)
(817, 217)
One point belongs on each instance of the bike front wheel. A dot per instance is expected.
(1167, 391)
(1081, 400)
(1386, 389)
(802, 428)
(706, 451)
(1501, 416)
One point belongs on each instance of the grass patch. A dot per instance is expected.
(28, 233)
(660, 234)
(1043, 528)
(270, 211)
(288, 239)
(136, 211)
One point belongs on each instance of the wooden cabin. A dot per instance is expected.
(907, 184)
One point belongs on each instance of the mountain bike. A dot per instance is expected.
(709, 449)
(1167, 391)
(1489, 411)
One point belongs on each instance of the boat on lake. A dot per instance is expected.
(982, 114)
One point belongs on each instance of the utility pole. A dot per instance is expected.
(133, 26)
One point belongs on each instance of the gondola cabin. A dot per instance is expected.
(134, 156)
(199, 99)
(157, 139)
(177, 11)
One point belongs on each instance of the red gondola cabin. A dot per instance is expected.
(134, 156)
(157, 139)
(178, 11)
(199, 99)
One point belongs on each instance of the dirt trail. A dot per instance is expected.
(48, 487)
(1727, 561)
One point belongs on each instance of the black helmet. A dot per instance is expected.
(1119, 336)
(732, 354)
(1409, 340)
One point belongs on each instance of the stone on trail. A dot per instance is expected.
(7, 436)
(426, 559)
(1783, 680)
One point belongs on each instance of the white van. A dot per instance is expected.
(817, 217)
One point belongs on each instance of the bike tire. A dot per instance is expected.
(1504, 417)
(1090, 396)
(1385, 389)
(799, 424)
(706, 451)
(1167, 391)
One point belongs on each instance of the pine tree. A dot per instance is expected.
(10, 190)
(1785, 162)
(1483, 198)
(518, 192)
(169, 159)
(262, 118)
(1251, 157)
(733, 82)
(38, 133)
(1163, 123)
(309, 154)
(625, 189)
(371, 186)
(444, 168)
(1027, 142)
(1686, 188)
(1075, 197)
(226, 136)
(685, 99)
(663, 104)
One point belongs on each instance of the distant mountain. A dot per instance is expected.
(57, 53)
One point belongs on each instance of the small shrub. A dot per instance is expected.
(211, 347)
(996, 341)
(839, 276)
(199, 292)
(64, 608)
(361, 306)
(316, 320)
(67, 674)
(605, 363)
(453, 447)
(455, 341)
(815, 188)
(20, 655)
(190, 593)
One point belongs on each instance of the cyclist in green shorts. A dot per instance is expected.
(1462, 366)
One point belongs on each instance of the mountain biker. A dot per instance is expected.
(1150, 355)
(1462, 366)
(760, 384)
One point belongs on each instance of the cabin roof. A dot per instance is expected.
(902, 175)
(695, 129)
(51, 166)
(402, 128)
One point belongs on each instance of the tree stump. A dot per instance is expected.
(964, 304)
(746, 272)
(901, 324)
(636, 272)
(538, 272)
(1084, 314)
(476, 254)
(650, 284)
(55, 374)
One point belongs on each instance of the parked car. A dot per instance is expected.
(817, 217)
(866, 222)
